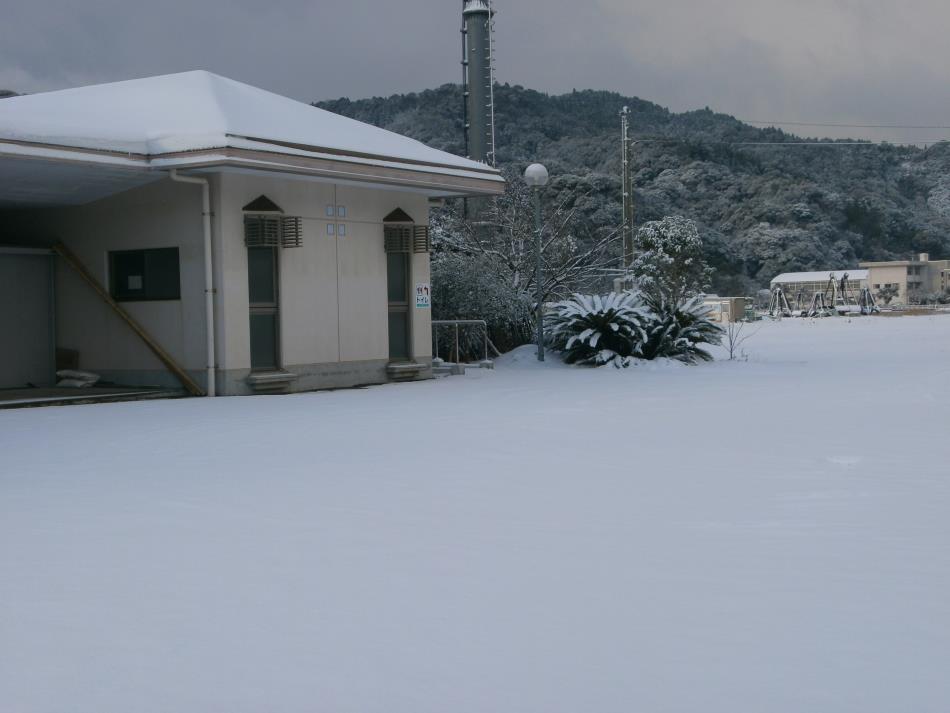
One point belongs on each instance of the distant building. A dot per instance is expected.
(914, 279)
(802, 286)
(726, 309)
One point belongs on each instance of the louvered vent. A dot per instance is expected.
(271, 231)
(398, 238)
(291, 233)
(421, 243)
(261, 231)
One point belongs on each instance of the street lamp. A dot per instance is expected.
(536, 176)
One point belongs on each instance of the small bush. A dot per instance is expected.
(676, 332)
(619, 327)
(598, 329)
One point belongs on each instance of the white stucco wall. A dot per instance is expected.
(158, 215)
(333, 300)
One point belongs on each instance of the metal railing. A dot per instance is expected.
(457, 323)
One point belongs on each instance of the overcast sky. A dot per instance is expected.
(844, 61)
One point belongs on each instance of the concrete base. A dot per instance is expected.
(272, 382)
(334, 375)
(54, 396)
(303, 377)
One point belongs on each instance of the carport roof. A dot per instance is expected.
(203, 121)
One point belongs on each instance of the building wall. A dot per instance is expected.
(938, 276)
(726, 309)
(915, 280)
(883, 275)
(162, 214)
(333, 299)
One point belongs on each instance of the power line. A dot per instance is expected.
(831, 144)
(842, 126)
(822, 143)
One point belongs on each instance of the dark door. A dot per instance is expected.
(397, 273)
(264, 298)
(26, 319)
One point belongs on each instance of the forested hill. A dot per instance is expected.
(761, 210)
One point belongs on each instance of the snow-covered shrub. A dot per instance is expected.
(598, 329)
(618, 328)
(477, 287)
(677, 331)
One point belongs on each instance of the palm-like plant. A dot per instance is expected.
(619, 327)
(676, 331)
(598, 329)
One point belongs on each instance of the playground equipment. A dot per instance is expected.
(778, 304)
(800, 300)
(839, 294)
(867, 303)
(819, 307)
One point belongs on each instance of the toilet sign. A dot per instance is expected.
(423, 296)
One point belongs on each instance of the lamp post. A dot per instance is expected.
(536, 176)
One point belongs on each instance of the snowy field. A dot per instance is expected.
(768, 536)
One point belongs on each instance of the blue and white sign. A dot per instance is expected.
(423, 296)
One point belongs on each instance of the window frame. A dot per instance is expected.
(118, 296)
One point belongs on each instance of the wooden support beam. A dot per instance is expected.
(190, 385)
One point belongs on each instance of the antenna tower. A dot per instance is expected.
(627, 180)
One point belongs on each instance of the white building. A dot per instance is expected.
(261, 243)
(801, 286)
(910, 281)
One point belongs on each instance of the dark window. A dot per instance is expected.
(261, 277)
(397, 273)
(263, 298)
(397, 277)
(145, 275)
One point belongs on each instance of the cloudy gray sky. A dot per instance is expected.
(843, 61)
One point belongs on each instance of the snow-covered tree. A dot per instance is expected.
(669, 265)
(887, 293)
(487, 269)
(467, 286)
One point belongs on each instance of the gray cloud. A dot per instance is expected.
(847, 61)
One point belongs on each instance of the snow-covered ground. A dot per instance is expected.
(771, 535)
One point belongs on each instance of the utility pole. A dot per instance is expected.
(536, 177)
(627, 180)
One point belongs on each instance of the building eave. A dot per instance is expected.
(432, 183)
(895, 263)
(432, 180)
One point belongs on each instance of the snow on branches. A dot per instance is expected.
(669, 263)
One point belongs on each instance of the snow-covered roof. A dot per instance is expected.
(198, 110)
(819, 276)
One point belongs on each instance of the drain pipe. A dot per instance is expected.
(209, 274)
